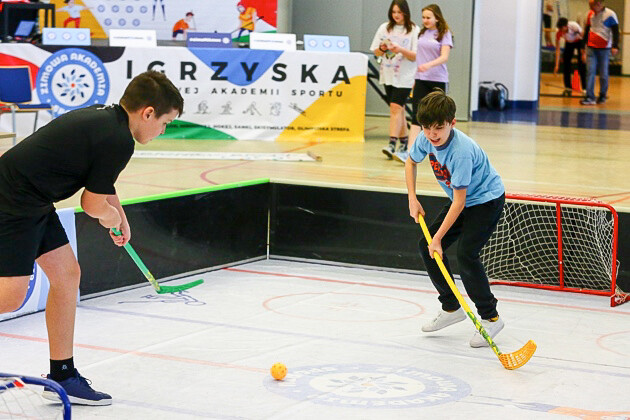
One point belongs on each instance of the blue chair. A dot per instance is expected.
(15, 92)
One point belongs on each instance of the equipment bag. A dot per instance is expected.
(493, 95)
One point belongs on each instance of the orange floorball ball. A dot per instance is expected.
(278, 371)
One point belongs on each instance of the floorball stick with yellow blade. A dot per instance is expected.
(508, 360)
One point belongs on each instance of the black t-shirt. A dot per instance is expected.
(88, 147)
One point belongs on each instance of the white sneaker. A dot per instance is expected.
(389, 150)
(492, 328)
(400, 156)
(443, 319)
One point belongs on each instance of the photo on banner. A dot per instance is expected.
(171, 19)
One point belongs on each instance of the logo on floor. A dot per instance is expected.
(182, 297)
(370, 386)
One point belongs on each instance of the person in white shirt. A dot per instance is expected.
(395, 43)
(572, 34)
(74, 10)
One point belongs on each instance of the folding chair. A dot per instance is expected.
(15, 93)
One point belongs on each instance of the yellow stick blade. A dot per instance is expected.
(518, 358)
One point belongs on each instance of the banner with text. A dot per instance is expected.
(228, 93)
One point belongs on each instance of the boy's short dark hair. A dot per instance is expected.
(436, 108)
(562, 22)
(152, 88)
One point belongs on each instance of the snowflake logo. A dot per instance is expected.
(369, 386)
(73, 85)
(358, 384)
(72, 78)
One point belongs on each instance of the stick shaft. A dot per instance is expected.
(136, 259)
(453, 287)
(134, 256)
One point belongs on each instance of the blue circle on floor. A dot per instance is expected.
(369, 386)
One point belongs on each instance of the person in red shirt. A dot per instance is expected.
(602, 39)
(182, 26)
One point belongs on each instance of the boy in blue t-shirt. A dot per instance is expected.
(475, 188)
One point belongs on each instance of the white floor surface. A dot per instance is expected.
(351, 340)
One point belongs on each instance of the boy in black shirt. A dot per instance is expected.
(86, 148)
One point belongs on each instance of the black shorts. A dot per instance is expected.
(396, 95)
(547, 21)
(24, 238)
(422, 88)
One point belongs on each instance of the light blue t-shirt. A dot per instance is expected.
(458, 164)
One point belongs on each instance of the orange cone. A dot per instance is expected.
(575, 83)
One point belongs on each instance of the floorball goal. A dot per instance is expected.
(556, 243)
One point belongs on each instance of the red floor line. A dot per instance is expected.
(170, 188)
(204, 173)
(382, 286)
(600, 340)
(411, 289)
(310, 144)
(140, 354)
(619, 200)
(610, 195)
(161, 171)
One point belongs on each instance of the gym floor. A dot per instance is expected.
(352, 344)
(351, 337)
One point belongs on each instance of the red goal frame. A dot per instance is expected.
(615, 298)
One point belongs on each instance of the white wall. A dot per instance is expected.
(508, 48)
(625, 41)
(284, 16)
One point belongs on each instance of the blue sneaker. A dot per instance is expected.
(79, 391)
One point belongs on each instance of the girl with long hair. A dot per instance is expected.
(395, 42)
(434, 45)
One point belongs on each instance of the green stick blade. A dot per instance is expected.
(173, 289)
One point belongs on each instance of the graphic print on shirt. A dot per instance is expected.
(441, 172)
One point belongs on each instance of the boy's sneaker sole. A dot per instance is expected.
(389, 152)
(52, 396)
(79, 391)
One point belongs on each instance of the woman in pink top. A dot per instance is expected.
(434, 45)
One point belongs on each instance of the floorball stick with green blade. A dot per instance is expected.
(159, 289)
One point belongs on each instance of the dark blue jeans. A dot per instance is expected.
(597, 59)
(473, 227)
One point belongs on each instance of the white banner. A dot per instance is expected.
(229, 93)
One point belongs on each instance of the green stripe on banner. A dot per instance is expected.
(245, 38)
(191, 191)
(179, 129)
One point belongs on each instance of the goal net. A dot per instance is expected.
(21, 397)
(556, 243)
